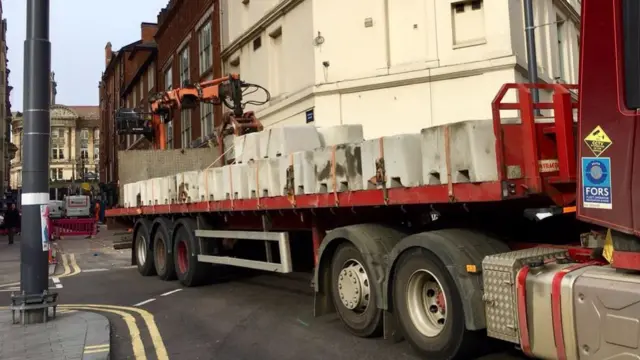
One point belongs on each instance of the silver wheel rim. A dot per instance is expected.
(354, 287)
(427, 303)
(141, 250)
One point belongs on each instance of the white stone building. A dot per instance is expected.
(395, 66)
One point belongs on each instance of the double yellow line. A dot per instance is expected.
(70, 265)
(125, 313)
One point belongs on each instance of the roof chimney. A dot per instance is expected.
(148, 31)
(107, 54)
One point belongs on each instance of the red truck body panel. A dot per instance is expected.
(602, 111)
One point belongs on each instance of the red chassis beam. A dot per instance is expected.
(431, 194)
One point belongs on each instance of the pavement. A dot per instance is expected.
(265, 317)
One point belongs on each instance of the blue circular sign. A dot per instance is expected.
(596, 172)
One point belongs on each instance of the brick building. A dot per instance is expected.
(188, 41)
(183, 47)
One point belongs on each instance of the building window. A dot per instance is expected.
(57, 144)
(468, 22)
(168, 129)
(257, 43)
(185, 128)
(96, 144)
(184, 66)
(206, 119)
(168, 79)
(56, 174)
(141, 88)
(561, 45)
(151, 77)
(204, 41)
(84, 143)
(134, 98)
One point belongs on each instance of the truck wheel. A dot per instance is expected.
(143, 250)
(163, 258)
(354, 292)
(428, 307)
(189, 270)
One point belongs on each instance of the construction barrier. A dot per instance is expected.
(73, 227)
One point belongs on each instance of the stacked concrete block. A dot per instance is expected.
(206, 185)
(338, 168)
(236, 181)
(147, 192)
(219, 183)
(297, 174)
(187, 187)
(341, 134)
(264, 178)
(126, 195)
(247, 148)
(434, 162)
(398, 158)
(285, 140)
(168, 190)
(473, 152)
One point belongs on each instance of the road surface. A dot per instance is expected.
(261, 317)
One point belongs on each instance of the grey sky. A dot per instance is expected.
(79, 31)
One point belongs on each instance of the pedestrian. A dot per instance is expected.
(11, 221)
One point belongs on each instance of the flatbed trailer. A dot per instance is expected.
(446, 267)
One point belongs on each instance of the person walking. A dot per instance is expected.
(11, 221)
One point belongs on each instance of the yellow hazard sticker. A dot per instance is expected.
(598, 141)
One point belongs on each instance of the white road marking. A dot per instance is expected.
(55, 280)
(171, 292)
(94, 270)
(145, 302)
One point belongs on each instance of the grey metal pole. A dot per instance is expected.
(532, 59)
(34, 268)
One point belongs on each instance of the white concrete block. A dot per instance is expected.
(297, 174)
(219, 183)
(341, 134)
(168, 192)
(126, 196)
(147, 192)
(236, 182)
(206, 185)
(247, 147)
(187, 187)
(434, 163)
(402, 161)
(473, 152)
(337, 168)
(285, 140)
(264, 178)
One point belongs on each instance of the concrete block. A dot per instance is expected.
(187, 186)
(264, 178)
(147, 192)
(402, 161)
(236, 182)
(434, 163)
(247, 148)
(168, 192)
(126, 191)
(341, 134)
(206, 185)
(337, 168)
(219, 183)
(473, 152)
(297, 174)
(286, 140)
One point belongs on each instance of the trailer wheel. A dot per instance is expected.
(428, 307)
(189, 270)
(354, 292)
(143, 250)
(163, 258)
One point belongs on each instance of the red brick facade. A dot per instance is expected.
(125, 81)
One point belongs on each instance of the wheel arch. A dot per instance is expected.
(374, 241)
(456, 248)
(141, 223)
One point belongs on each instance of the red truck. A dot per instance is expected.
(546, 257)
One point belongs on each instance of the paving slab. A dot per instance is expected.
(72, 335)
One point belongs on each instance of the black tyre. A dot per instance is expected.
(354, 290)
(163, 257)
(429, 308)
(189, 271)
(143, 250)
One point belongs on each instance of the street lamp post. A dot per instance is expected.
(33, 301)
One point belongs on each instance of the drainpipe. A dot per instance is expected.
(531, 50)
